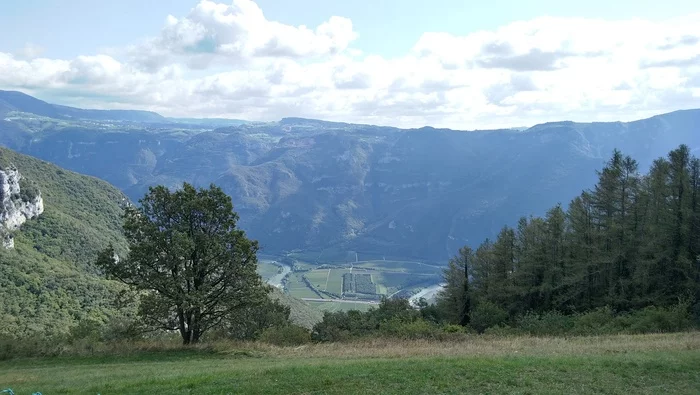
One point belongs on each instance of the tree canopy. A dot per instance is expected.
(195, 267)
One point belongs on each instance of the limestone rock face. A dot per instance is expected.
(16, 206)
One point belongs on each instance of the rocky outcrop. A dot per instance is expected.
(19, 202)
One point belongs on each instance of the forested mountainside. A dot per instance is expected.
(310, 185)
(48, 279)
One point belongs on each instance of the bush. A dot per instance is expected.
(289, 335)
(410, 330)
(31, 346)
(122, 329)
(487, 314)
(451, 328)
(598, 321)
(604, 321)
(653, 319)
(342, 325)
(28, 191)
(502, 331)
(547, 324)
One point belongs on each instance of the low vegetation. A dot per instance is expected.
(622, 364)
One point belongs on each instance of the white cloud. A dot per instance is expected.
(236, 33)
(229, 60)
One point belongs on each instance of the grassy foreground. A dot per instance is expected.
(640, 364)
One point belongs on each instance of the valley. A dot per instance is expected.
(341, 286)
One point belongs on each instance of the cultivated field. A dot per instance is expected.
(299, 289)
(639, 364)
(267, 269)
(344, 275)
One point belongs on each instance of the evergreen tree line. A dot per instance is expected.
(630, 242)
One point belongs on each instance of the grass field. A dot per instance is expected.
(401, 266)
(335, 281)
(641, 364)
(297, 288)
(267, 269)
(319, 278)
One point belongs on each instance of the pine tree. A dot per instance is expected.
(630, 242)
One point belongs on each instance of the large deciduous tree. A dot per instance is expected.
(195, 267)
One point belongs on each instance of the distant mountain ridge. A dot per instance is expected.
(21, 102)
(327, 188)
(18, 101)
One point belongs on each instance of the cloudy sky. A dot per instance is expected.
(445, 63)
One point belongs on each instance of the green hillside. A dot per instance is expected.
(48, 282)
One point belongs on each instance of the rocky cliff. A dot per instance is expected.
(18, 203)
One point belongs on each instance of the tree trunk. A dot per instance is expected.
(466, 315)
(183, 326)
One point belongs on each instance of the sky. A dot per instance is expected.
(408, 63)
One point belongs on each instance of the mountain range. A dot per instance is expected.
(329, 188)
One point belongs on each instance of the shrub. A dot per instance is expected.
(502, 330)
(604, 321)
(289, 335)
(487, 314)
(653, 319)
(87, 331)
(28, 191)
(418, 329)
(341, 325)
(452, 328)
(549, 323)
(122, 329)
(594, 322)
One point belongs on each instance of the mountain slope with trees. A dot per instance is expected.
(325, 186)
(48, 281)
